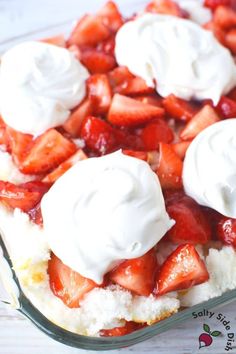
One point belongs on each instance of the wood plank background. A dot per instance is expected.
(33, 19)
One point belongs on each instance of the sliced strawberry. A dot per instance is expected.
(99, 93)
(181, 270)
(97, 62)
(64, 166)
(153, 100)
(212, 4)
(191, 223)
(226, 231)
(142, 155)
(24, 196)
(59, 41)
(226, 107)
(224, 17)
(19, 144)
(73, 123)
(138, 274)
(218, 32)
(107, 46)
(129, 327)
(230, 40)
(67, 284)
(98, 135)
(167, 7)
(178, 108)
(110, 16)
(88, 32)
(47, 152)
(134, 86)
(170, 168)
(127, 111)
(156, 132)
(119, 77)
(181, 148)
(203, 119)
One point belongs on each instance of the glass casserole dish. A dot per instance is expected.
(107, 343)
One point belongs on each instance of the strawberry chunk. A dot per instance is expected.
(153, 100)
(107, 46)
(98, 135)
(24, 196)
(213, 4)
(47, 152)
(125, 111)
(138, 274)
(142, 155)
(67, 284)
(181, 148)
(74, 122)
(134, 86)
(226, 107)
(169, 168)
(191, 223)
(156, 132)
(99, 93)
(181, 270)
(226, 231)
(167, 7)
(19, 144)
(97, 62)
(178, 108)
(203, 119)
(59, 41)
(64, 166)
(110, 16)
(88, 32)
(224, 17)
(129, 327)
(119, 77)
(230, 40)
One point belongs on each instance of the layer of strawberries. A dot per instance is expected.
(121, 112)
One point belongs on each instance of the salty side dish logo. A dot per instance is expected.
(224, 330)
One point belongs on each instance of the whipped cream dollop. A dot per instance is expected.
(102, 211)
(209, 173)
(39, 84)
(196, 10)
(177, 56)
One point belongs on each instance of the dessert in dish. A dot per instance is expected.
(117, 152)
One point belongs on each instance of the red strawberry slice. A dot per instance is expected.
(107, 46)
(153, 99)
(167, 7)
(156, 132)
(119, 77)
(181, 270)
(170, 168)
(138, 274)
(24, 196)
(203, 119)
(19, 144)
(88, 32)
(191, 223)
(98, 135)
(224, 17)
(97, 62)
(134, 86)
(230, 40)
(67, 284)
(64, 166)
(142, 155)
(178, 108)
(226, 231)
(58, 40)
(47, 152)
(73, 123)
(110, 16)
(129, 327)
(226, 107)
(125, 111)
(181, 148)
(212, 4)
(99, 93)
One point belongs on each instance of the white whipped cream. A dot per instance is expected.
(102, 211)
(209, 173)
(180, 56)
(197, 12)
(39, 84)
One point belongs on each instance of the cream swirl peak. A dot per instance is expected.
(102, 211)
(209, 173)
(177, 56)
(39, 84)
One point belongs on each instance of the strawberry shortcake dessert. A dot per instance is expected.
(118, 165)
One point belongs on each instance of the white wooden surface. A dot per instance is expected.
(32, 19)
